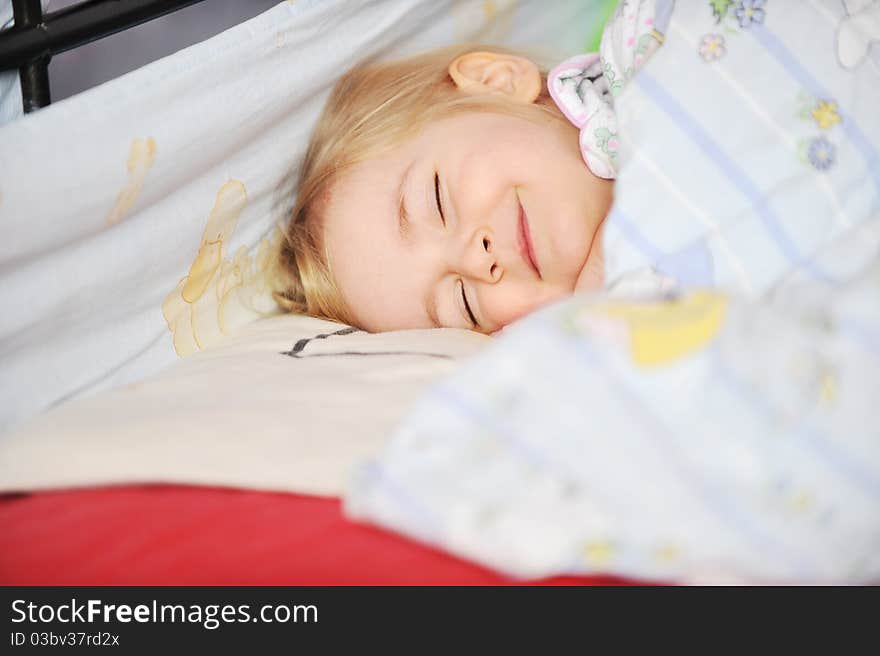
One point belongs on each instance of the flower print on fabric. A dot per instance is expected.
(818, 151)
(750, 12)
(606, 141)
(615, 83)
(719, 8)
(647, 44)
(826, 114)
(733, 17)
(744, 15)
(712, 47)
(821, 153)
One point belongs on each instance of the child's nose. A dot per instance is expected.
(478, 259)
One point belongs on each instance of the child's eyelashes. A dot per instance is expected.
(467, 306)
(437, 196)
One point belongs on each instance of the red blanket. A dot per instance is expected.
(181, 535)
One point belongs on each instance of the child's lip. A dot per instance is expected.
(524, 241)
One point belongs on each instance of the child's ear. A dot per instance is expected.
(488, 72)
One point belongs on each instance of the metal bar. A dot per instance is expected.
(34, 74)
(77, 25)
(35, 89)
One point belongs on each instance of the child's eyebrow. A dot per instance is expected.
(402, 214)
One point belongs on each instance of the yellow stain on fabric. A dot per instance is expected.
(801, 501)
(482, 21)
(229, 203)
(178, 316)
(828, 389)
(140, 159)
(668, 553)
(666, 330)
(598, 553)
(219, 295)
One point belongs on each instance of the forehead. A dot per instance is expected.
(373, 270)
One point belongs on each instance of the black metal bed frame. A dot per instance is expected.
(34, 39)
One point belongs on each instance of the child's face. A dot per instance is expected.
(399, 273)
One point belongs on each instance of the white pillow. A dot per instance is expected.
(288, 404)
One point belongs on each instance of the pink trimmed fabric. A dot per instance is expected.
(581, 92)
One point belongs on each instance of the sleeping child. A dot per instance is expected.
(721, 427)
(460, 188)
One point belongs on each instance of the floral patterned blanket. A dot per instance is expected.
(748, 142)
(724, 429)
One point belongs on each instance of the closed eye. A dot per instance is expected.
(437, 196)
(467, 307)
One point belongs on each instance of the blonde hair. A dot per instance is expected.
(373, 107)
